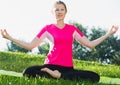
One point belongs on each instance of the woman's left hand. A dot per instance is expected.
(113, 30)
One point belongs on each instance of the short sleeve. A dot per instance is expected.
(43, 30)
(79, 31)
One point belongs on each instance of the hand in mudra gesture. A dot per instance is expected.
(5, 34)
(113, 30)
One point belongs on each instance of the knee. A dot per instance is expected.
(28, 72)
(96, 78)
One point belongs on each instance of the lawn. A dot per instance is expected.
(12, 65)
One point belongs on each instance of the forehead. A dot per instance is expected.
(59, 6)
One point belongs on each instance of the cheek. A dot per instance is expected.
(64, 13)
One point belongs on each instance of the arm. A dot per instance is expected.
(91, 44)
(35, 42)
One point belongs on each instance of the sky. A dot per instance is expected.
(24, 18)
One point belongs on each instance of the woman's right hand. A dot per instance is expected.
(5, 34)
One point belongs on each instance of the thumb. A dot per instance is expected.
(5, 31)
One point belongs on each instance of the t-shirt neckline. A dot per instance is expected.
(59, 27)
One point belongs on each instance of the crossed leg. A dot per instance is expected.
(73, 75)
(60, 72)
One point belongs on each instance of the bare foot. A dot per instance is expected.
(55, 73)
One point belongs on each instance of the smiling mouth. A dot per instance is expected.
(59, 15)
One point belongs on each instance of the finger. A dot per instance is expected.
(115, 28)
(5, 31)
(1, 31)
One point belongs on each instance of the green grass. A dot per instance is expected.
(12, 77)
(10, 80)
(12, 65)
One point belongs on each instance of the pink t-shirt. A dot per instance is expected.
(61, 44)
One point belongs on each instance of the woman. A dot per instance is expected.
(59, 63)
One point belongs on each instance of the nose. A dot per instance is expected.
(59, 12)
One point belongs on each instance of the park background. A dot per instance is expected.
(23, 19)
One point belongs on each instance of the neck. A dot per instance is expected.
(60, 23)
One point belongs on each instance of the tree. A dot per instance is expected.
(79, 51)
(44, 48)
(116, 45)
(14, 48)
(108, 51)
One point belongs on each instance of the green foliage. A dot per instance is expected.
(18, 61)
(15, 48)
(79, 51)
(107, 52)
(44, 48)
(10, 80)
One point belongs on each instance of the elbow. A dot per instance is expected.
(29, 47)
(91, 46)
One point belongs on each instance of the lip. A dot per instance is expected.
(59, 15)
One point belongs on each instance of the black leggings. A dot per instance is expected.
(66, 73)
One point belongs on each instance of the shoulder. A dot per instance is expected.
(47, 27)
(70, 25)
(75, 29)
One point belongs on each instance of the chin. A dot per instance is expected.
(59, 19)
